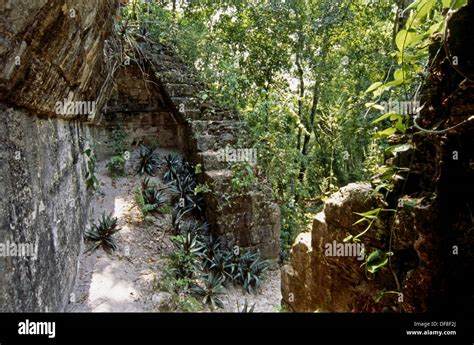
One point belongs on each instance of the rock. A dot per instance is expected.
(161, 298)
(340, 207)
(313, 281)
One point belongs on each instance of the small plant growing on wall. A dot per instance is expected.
(116, 166)
(243, 178)
(101, 234)
(117, 143)
(91, 180)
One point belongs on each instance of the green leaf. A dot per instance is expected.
(399, 148)
(376, 260)
(435, 28)
(400, 126)
(395, 116)
(374, 87)
(400, 75)
(394, 83)
(410, 203)
(375, 267)
(459, 3)
(374, 105)
(381, 118)
(385, 133)
(368, 213)
(423, 8)
(403, 39)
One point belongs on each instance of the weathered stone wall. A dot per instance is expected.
(44, 202)
(137, 106)
(315, 281)
(49, 51)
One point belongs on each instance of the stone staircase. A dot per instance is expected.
(251, 220)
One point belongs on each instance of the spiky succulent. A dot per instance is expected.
(188, 243)
(149, 198)
(149, 160)
(101, 233)
(219, 265)
(210, 290)
(186, 257)
(211, 245)
(246, 308)
(154, 197)
(173, 168)
(194, 227)
(250, 270)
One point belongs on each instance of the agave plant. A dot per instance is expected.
(172, 164)
(211, 245)
(101, 234)
(246, 308)
(210, 290)
(149, 160)
(194, 227)
(146, 184)
(183, 186)
(186, 257)
(249, 271)
(154, 197)
(232, 258)
(185, 168)
(219, 265)
(188, 243)
(148, 197)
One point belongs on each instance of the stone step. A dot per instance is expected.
(185, 103)
(219, 178)
(175, 76)
(208, 142)
(212, 160)
(219, 115)
(181, 89)
(161, 65)
(192, 114)
(215, 127)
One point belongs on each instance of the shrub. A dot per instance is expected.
(116, 166)
(117, 141)
(220, 265)
(246, 308)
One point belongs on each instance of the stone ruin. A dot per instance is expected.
(57, 53)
